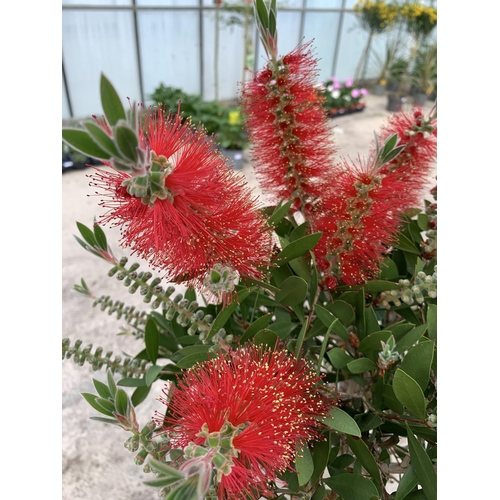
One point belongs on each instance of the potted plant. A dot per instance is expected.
(419, 21)
(375, 17)
(384, 64)
(231, 136)
(424, 73)
(341, 98)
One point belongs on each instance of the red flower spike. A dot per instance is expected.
(291, 139)
(271, 395)
(208, 218)
(361, 215)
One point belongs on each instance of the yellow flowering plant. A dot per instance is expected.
(420, 19)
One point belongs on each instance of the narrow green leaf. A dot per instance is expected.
(102, 139)
(328, 318)
(100, 237)
(111, 102)
(161, 482)
(360, 314)
(410, 338)
(256, 326)
(127, 141)
(152, 374)
(131, 382)
(417, 363)
(340, 421)
(106, 404)
(320, 453)
(227, 312)
(407, 245)
(292, 291)
(191, 359)
(260, 6)
(343, 311)
(102, 389)
(352, 487)
(378, 286)
(81, 141)
(111, 421)
(389, 144)
(111, 383)
(368, 421)
(388, 270)
(87, 234)
(409, 394)
(407, 483)
(338, 357)
(319, 493)
(371, 321)
(298, 248)
(423, 222)
(359, 448)
(279, 213)
(424, 469)
(390, 400)
(122, 402)
(432, 321)
(304, 464)
(152, 340)
(361, 365)
(140, 394)
(91, 400)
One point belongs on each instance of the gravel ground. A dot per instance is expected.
(95, 464)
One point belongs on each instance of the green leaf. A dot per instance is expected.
(424, 469)
(352, 487)
(127, 141)
(81, 141)
(262, 13)
(343, 311)
(152, 374)
(388, 270)
(106, 404)
(122, 402)
(406, 245)
(292, 291)
(407, 483)
(111, 383)
(266, 337)
(297, 248)
(100, 237)
(371, 321)
(368, 421)
(410, 338)
(409, 394)
(304, 464)
(321, 450)
(361, 365)
(152, 340)
(111, 103)
(279, 213)
(432, 321)
(102, 139)
(390, 399)
(359, 448)
(377, 286)
(140, 394)
(102, 389)
(319, 493)
(327, 318)
(165, 469)
(340, 421)
(423, 222)
(112, 421)
(87, 234)
(372, 343)
(226, 313)
(191, 359)
(417, 363)
(338, 357)
(256, 326)
(131, 382)
(91, 400)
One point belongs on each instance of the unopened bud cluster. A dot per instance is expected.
(388, 355)
(409, 293)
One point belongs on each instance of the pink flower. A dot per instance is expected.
(363, 91)
(355, 93)
(348, 82)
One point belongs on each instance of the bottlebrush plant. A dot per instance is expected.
(300, 362)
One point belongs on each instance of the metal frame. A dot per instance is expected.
(201, 9)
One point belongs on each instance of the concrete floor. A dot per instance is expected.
(95, 464)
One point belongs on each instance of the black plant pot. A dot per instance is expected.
(395, 102)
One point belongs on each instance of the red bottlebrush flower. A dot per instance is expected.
(361, 214)
(207, 216)
(267, 399)
(289, 131)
